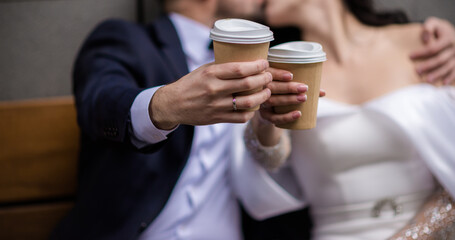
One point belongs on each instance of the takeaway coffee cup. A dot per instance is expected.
(238, 40)
(304, 60)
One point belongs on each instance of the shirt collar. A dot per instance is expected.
(195, 37)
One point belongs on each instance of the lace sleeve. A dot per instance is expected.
(436, 220)
(271, 158)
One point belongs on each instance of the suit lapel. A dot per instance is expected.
(163, 31)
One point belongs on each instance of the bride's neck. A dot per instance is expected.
(337, 29)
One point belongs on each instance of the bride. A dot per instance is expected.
(384, 143)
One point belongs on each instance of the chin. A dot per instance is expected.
(275, 22)
(273, 19)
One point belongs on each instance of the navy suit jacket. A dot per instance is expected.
(122, 189)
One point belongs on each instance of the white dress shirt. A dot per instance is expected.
(202, 204)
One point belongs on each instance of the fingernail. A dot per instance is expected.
(419, 71)
(430, 79)
(265, 64)
(302, 98)
(323, 93)
(291, 76)
(270, 77)
(296, 115)
(302, 88)
(288, 76)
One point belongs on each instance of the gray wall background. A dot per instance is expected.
(39, 39)
(419, 10)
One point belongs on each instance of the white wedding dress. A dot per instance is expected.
(365, 169)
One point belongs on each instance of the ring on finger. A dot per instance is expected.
(234, 103)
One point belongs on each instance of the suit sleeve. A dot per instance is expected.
(110, 71)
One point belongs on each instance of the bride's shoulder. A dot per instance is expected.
(405, 36)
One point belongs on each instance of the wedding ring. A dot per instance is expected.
(234, 104)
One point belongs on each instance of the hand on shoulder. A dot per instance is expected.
(435, 60)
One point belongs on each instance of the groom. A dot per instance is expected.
(154, 160)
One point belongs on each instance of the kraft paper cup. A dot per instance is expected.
(238, 40)
(304, 60)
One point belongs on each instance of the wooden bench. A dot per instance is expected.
(39, 143)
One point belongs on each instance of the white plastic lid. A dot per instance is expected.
(233, 30)
(297, 52)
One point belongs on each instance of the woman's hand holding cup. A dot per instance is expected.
(284, 92)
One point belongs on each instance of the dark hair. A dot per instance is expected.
(364, 11)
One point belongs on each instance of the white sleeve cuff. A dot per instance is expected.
(145, 133)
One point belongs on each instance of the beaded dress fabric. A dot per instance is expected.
(435, 221)
(271, 158)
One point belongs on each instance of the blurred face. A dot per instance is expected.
(249, 9)
(281, 12)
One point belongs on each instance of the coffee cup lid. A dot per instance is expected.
(297, 52)
(240, 31)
